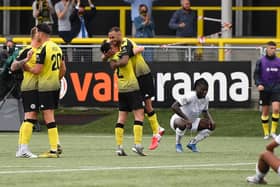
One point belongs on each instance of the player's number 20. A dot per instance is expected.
(56, 60)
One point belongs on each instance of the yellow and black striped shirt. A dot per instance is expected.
(50, 55)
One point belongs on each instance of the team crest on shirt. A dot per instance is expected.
(63, 88)
(32, 106)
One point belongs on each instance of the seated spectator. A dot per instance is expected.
(63, 10)
(42, 12)
(144, 25)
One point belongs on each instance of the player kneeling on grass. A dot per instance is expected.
(187, 116)
(266, 160)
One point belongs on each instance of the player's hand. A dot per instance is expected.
(113, 64)
(188, 123)
(29, 54)
(109, 53)
(26, 67)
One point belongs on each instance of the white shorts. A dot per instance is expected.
(195, 123)
(278, 171)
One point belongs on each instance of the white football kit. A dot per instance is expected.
(192, 107)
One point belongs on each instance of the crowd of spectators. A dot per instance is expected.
(74, 20)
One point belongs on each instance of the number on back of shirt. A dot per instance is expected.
(56, 60)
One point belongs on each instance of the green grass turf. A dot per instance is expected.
(90, 160)
(227, 157)
(229, 122)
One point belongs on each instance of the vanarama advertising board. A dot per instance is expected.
(94, 84)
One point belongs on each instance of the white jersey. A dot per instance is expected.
(192, 106)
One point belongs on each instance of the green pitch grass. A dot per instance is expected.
(89, 160)
(229, 122)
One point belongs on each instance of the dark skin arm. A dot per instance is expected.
(62, 69)
(207, 115)
(176, 109)
(270, 147)
(122, 62)
(106, 56)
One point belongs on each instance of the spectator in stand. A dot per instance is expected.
(81, 20)
(63, 10)
(43, 11)
(81, 27)
(184, 21)
(144, 25)
(134, 10)
(8, 49)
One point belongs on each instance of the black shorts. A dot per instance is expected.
(267, 97)
(130, 101)
(30, 101)
(49, 100)
(146, 84)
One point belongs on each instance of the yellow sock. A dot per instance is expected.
(119, 132)
(53, 137)
(20, 134)
(26, 130)
(154, 123)
(274, 123)
(265, 125)
(138, 132)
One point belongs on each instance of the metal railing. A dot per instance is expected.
(159, 53)
(200, 13)
(220, 44)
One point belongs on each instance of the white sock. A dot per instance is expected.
(200, 136)
(180, 132)
(23, 147)
(259, 174)
(179, 135)
(178, 139)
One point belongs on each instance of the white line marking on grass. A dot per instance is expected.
(28, 166)
(186, 167)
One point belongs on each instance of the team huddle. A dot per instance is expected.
(42, 65)
(135, 85)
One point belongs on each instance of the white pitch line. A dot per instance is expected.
(186, 167)
(28, 167)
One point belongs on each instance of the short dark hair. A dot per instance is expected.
(200, 81)
(115, 28)
(143, 5)
(105, 46)
(45, 28)
(271, 43)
